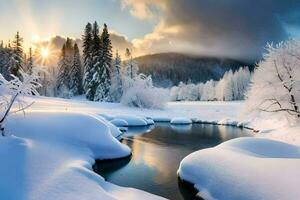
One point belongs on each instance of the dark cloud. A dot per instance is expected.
(229, 28)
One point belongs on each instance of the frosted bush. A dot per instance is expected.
(140, 92)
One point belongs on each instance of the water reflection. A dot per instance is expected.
(182, 128)
(157, 152)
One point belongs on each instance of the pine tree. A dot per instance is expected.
(102, 91)
(131, 66)
(94, 72)
(116, 89)
(65, 64)
(16, 62)
(5, 59)
(30, 62)
(75, 73)
(87, 39)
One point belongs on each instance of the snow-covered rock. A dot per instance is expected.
(133, 120)
(150, 121)
(181, 121)
(245, 168)
(119, 122)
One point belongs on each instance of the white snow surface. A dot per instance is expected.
(245, 168)
(55, 149)
(217, 112)
(119, 122)
(133, 120)
(51, 153)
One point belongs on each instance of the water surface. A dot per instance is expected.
(156, 155)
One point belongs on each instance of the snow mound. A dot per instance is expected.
(87, 130)
(119, 122)
(133, 120)
(150, 121)
(107, 116)
(245, 168)
(52, 154)
(181, 121)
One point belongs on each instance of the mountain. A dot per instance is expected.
(167, 69)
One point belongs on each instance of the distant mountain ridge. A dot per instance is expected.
(171, 68)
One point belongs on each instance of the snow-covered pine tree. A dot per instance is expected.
(102, 91)
(16, 62)
(116, 89)
(75, 73)
(94, 72)
(65, 64)
(88, 40)
(5, 55)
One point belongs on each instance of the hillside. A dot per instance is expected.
(171, 68)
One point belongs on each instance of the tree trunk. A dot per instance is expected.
(295, 105)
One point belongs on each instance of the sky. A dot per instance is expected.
(219, 28)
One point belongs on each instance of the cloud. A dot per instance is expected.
(236, 29)
(143, 9)
(55, 43)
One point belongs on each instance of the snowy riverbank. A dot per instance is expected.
(55, 144)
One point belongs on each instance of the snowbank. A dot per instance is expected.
(51, 157)
(119, 122)
(245, 168)
(181, 121)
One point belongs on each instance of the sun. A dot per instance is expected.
(45, 53)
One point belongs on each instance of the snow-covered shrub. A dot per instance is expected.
(27, 84)
(140, 92)
(276, 81)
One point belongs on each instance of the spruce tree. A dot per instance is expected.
(16, 62)
(102, 91)
(75, 73)
(65, 64)
(87, 39)
(96, 54)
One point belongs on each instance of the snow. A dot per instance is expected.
(133, 120)
(245, 168)
(181, 121)
(51, 153)
(150, 121)
(119, 122)
(58, 140)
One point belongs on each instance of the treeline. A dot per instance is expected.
(13, 59)
(168, 69)
(232, 86)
